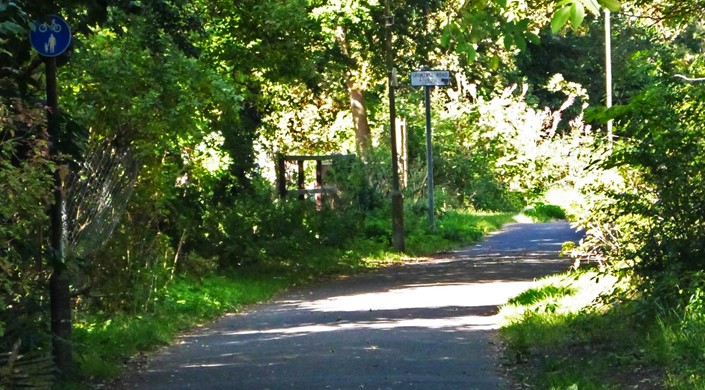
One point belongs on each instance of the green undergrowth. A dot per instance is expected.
(563, 335)
(105, 341)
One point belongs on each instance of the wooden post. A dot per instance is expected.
(281, 176)
(402, 147)
(319, 181)
(301, 180)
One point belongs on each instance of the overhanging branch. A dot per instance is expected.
(691, 79)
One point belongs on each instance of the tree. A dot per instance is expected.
(19, 77)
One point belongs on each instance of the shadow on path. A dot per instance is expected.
(427, 325)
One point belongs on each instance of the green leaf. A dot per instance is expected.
(520, 42)
(577, 14)
(445, 36)
(560, 18)
(468, 50)
(508, 41)
(475, 35)
(501, 3)
(533, 38)
(592, 5)
(494, 62)
(11, 27)
(612, 5)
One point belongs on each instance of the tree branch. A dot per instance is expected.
(686, 78)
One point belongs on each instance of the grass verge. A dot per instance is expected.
(562, 335)
(105, 342)
(540, 212)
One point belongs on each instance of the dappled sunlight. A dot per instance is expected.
(462, 323)
(422, 296)
(448, 307)
(212, 365)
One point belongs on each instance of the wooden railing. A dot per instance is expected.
(301, 189)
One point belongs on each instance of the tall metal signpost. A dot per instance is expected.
(428, 79)
(51, 37)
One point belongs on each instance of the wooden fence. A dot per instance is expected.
(301, 191)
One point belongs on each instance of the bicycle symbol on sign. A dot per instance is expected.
(44, 27)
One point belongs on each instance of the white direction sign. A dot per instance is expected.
(430, 78)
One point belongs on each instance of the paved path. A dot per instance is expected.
(427, 325)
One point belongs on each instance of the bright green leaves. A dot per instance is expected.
(577, 14)
(560, 18)
(473, 28)
(450, 33)
(573, 12)
(465, 34)
(481, 27)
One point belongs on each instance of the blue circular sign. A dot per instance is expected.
(50, 37)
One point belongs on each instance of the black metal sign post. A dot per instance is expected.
(428, 79)
(59, 294)
(51, 37)
(429, 156)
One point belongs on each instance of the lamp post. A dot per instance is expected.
(397, 199)
(608, 72)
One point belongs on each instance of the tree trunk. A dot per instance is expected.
(359, 115)
(363, 138)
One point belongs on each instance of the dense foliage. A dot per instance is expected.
(650, 219)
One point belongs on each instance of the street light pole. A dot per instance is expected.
(397, 199)
(608, 72)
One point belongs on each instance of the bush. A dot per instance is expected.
(25, 193)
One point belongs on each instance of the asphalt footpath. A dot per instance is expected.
(430, 324)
